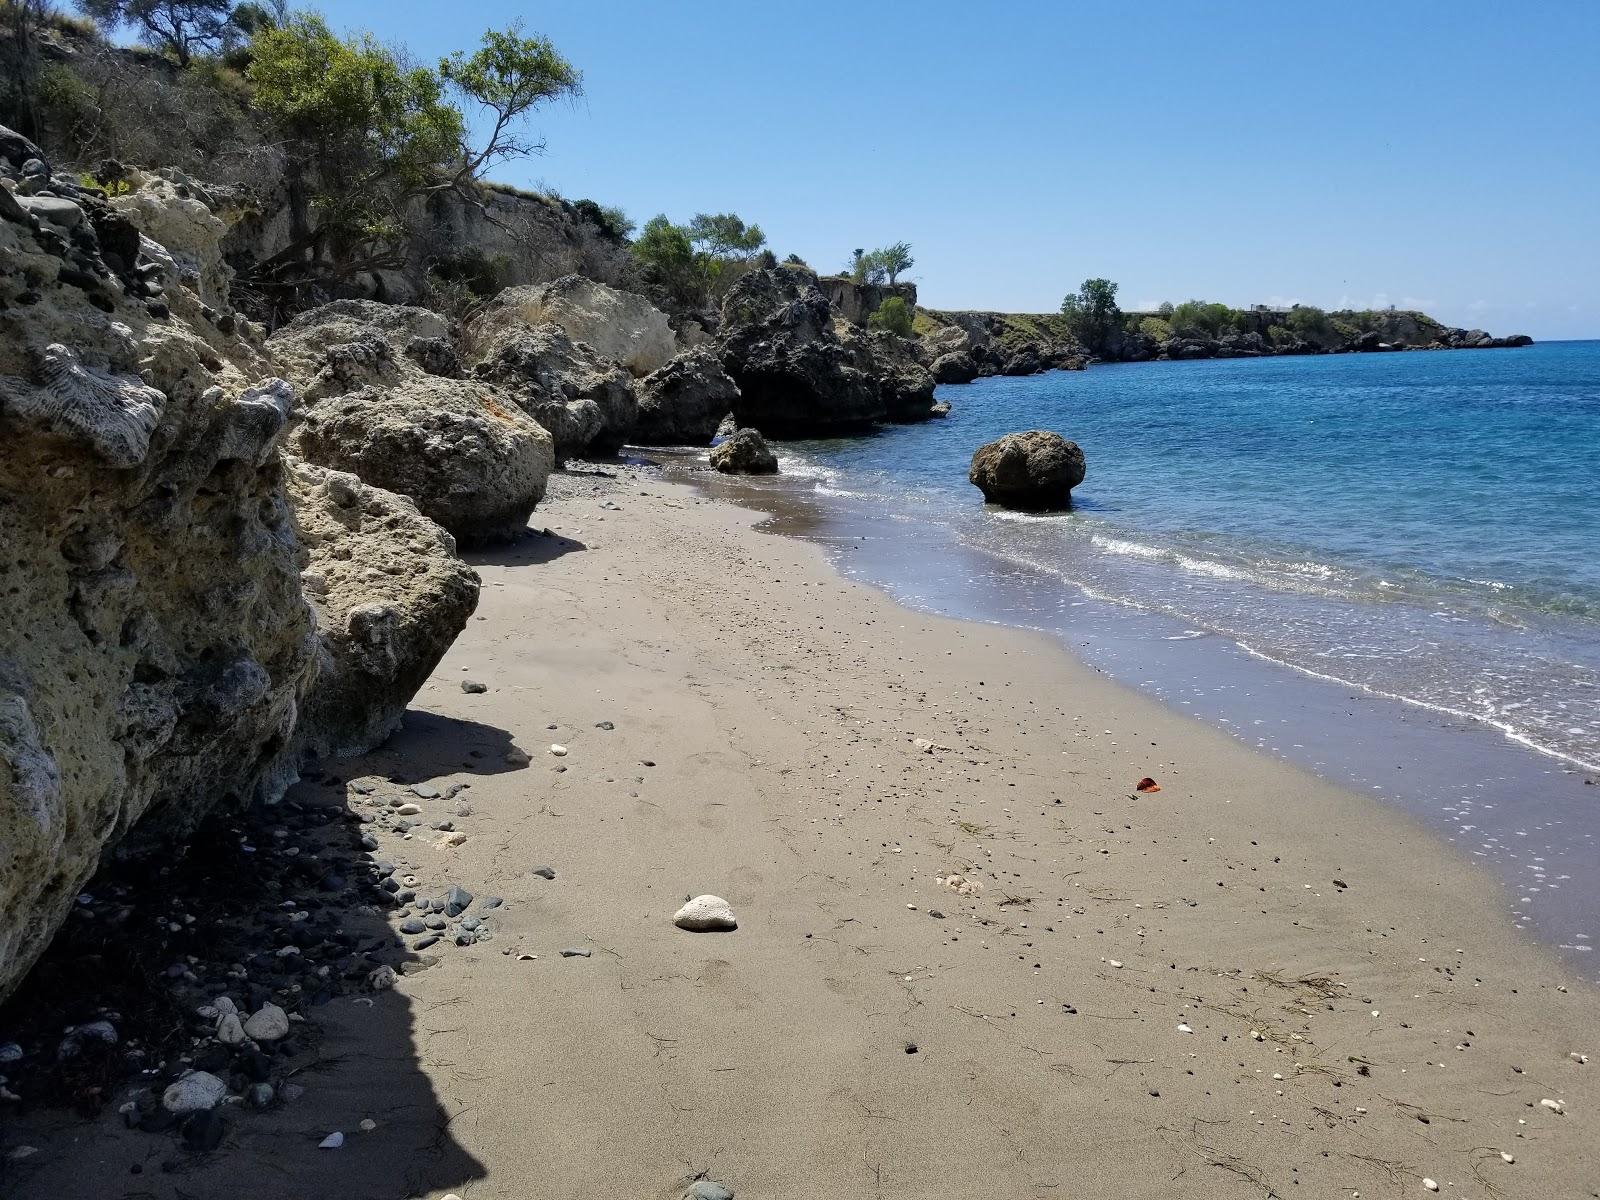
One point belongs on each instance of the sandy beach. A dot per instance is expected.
(972, 960)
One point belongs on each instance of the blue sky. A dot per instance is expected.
(1437, 156)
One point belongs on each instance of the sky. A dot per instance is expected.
(1437, 156)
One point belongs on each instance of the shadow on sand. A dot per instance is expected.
(245, 879)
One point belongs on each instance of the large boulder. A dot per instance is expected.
(682, 403)
(796, 375)
(154, 640)
(1034, 471)
(588, 404)
(954, 367)
(619, 326)
(390, 597)
(464, 452)
(744, 452)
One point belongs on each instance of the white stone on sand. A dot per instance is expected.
(706, 914)
(197, 1091)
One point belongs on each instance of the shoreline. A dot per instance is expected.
(1470, 783)
(1084, 1022)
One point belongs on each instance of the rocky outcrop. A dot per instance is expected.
(970, 345)
(855, 302)
(744, 452)
(904, 383)
(796, 375)
(1034, 471)
(154, 641)
(683, 403)
(616, 325)
(588, 404)
(463, 452)
(390, 597)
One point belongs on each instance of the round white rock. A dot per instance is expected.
(268, 1023)
(198, 1091)
(706, 914)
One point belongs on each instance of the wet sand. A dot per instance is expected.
(1251, 982)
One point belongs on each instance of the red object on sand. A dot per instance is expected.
(1148, 785)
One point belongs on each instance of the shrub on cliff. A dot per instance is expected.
(893, 315)
(1199, 318)
(700, 261)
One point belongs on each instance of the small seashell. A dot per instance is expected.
(1510, 1158)
(1257, 1036)
(1430, 1185)
(1555, 1106)
(1184, 1029)
(1111, 962)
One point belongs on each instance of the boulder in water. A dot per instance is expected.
(1034, 471)
(745, 452)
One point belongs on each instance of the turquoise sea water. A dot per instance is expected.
(1420, 526)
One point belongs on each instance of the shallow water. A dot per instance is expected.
(1424, 526)
(1381, 567)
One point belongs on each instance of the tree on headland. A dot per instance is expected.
(666, 253)
(1201, 318)
(369, 133)
(895, 260)
(1092, 313)
(693, 263)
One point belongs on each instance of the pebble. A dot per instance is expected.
(1430, 1185)
(606, 725)
(260, 1095)
(229, 1030)
(1555, 1106)
(473, 688)
(10, 1052)
(544, 872)
(456, 900)
(517, 758)
(368, 1125)
(491, 902)
(1113, 962)
(1510, 1158)
(575, 952)
(383, 978)
(558, 751)
(412, 926)
(198, 1091)
(705, 1189)
(706, 914)
(424, 943)
(332, 1142)
(1184, 1029)
(426, 790)
(268, 1023)
(409, 810)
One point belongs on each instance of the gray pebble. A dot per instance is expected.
(412, 926)
(473, 688)
(544, 872)
(426, 790)
(575, 952)
(456, 900)
(424, 943)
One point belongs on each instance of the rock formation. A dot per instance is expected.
(465, 453)
(1033, 471)
(588, 404)
(619, 326)
(154, 641)
(390, 597)
(796, 375)
(683, 403)
(904, 383)
(744, 452)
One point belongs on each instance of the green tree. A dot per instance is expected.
(667, 255)
(894, 315)
(725, 235)
(182, 27)
(895, 260)
(370, 133)
(507, 78)
(1309, 322)
(1092, 313)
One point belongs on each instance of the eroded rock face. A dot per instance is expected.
(683, 403)
(955, 367)
(390, 597)
(796, 374)
(905, 384)
(744, 452)
(154, 641)
(465, 453)
(1035, 471)
(620, 326)
(589, 405)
